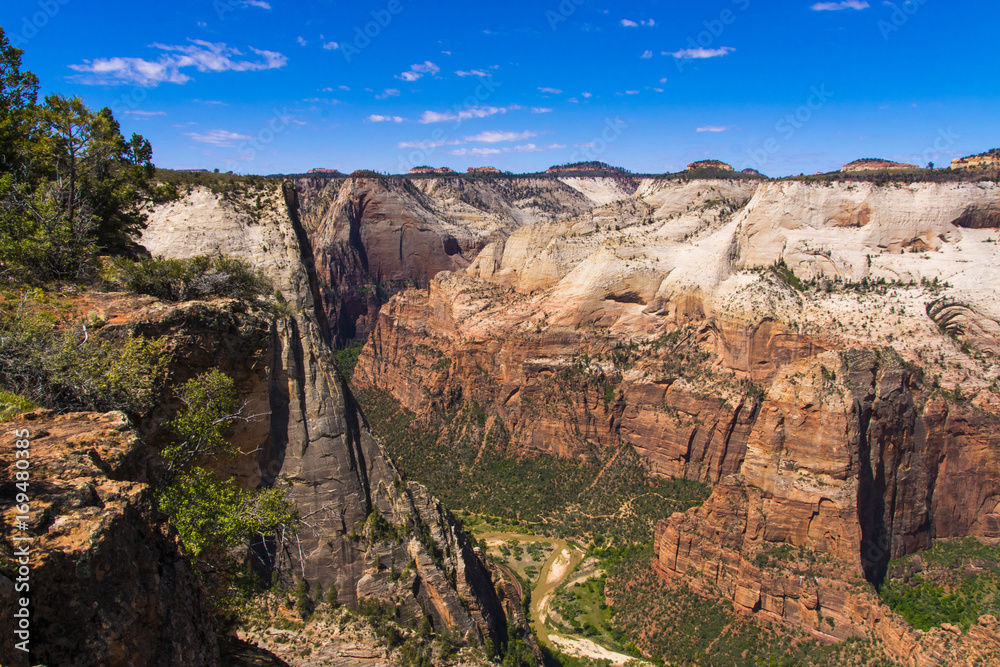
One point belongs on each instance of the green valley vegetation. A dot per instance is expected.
(216, 518)
(679, 627)
(956, 582)
(464, 458)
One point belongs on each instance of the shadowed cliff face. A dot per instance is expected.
(312, 436)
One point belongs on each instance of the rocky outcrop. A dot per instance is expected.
(710, 164)
(849, 465)
(311, 437)
(988, 160)
(432, 170)
(482, 170)
(108, 585)
(876, 164)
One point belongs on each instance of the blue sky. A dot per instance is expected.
(268, 86)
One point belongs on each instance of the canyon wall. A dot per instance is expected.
(310, 436)
(823, 354)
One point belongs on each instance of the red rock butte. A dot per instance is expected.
(710, 164)
(432, 170)
(987, 160)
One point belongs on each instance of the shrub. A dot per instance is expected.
(200, 277)
(70, 369)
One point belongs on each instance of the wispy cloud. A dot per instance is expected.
(646, 54)
(465, 114)
(473, 72)
(521, 148)
(837, 6)
(256, 3)
(541, 110)
(220, 138)
(714, 128)
(495, 137)
(628, 23)
(201, 55)
(301, 40)
(143, 114)
(418, 70)
(377, 118)
(387, 93)
(331, 46)
(700, 52)
(551, 91)
(479, 152)
(428, 144)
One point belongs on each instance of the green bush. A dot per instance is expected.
(216, 518)
(200, 277)
(68, 368)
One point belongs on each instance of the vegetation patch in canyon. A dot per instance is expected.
(679, 627)
(464, 459)
(954, 582)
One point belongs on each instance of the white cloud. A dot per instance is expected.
(201, 55)
(447, 53)
(331, 46)
(473, 72)
(627, 23)
(301, 40)
(211, 103)
(631, 92)
(418, 70)
(837, 6)
(541, 110)
(387, 93)
(376, 118)
(495, 137)
(479, 152)
(588, 94)
(220, 138)
(551, 91)
(465, 114)
(344, 87)
(700, 52)
(256, 3)
(426, 145)
(144, 114)
(521, 148)
(663, 80)
(714, 128)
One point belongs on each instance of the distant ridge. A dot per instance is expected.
(876, 164)
(585, 167)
